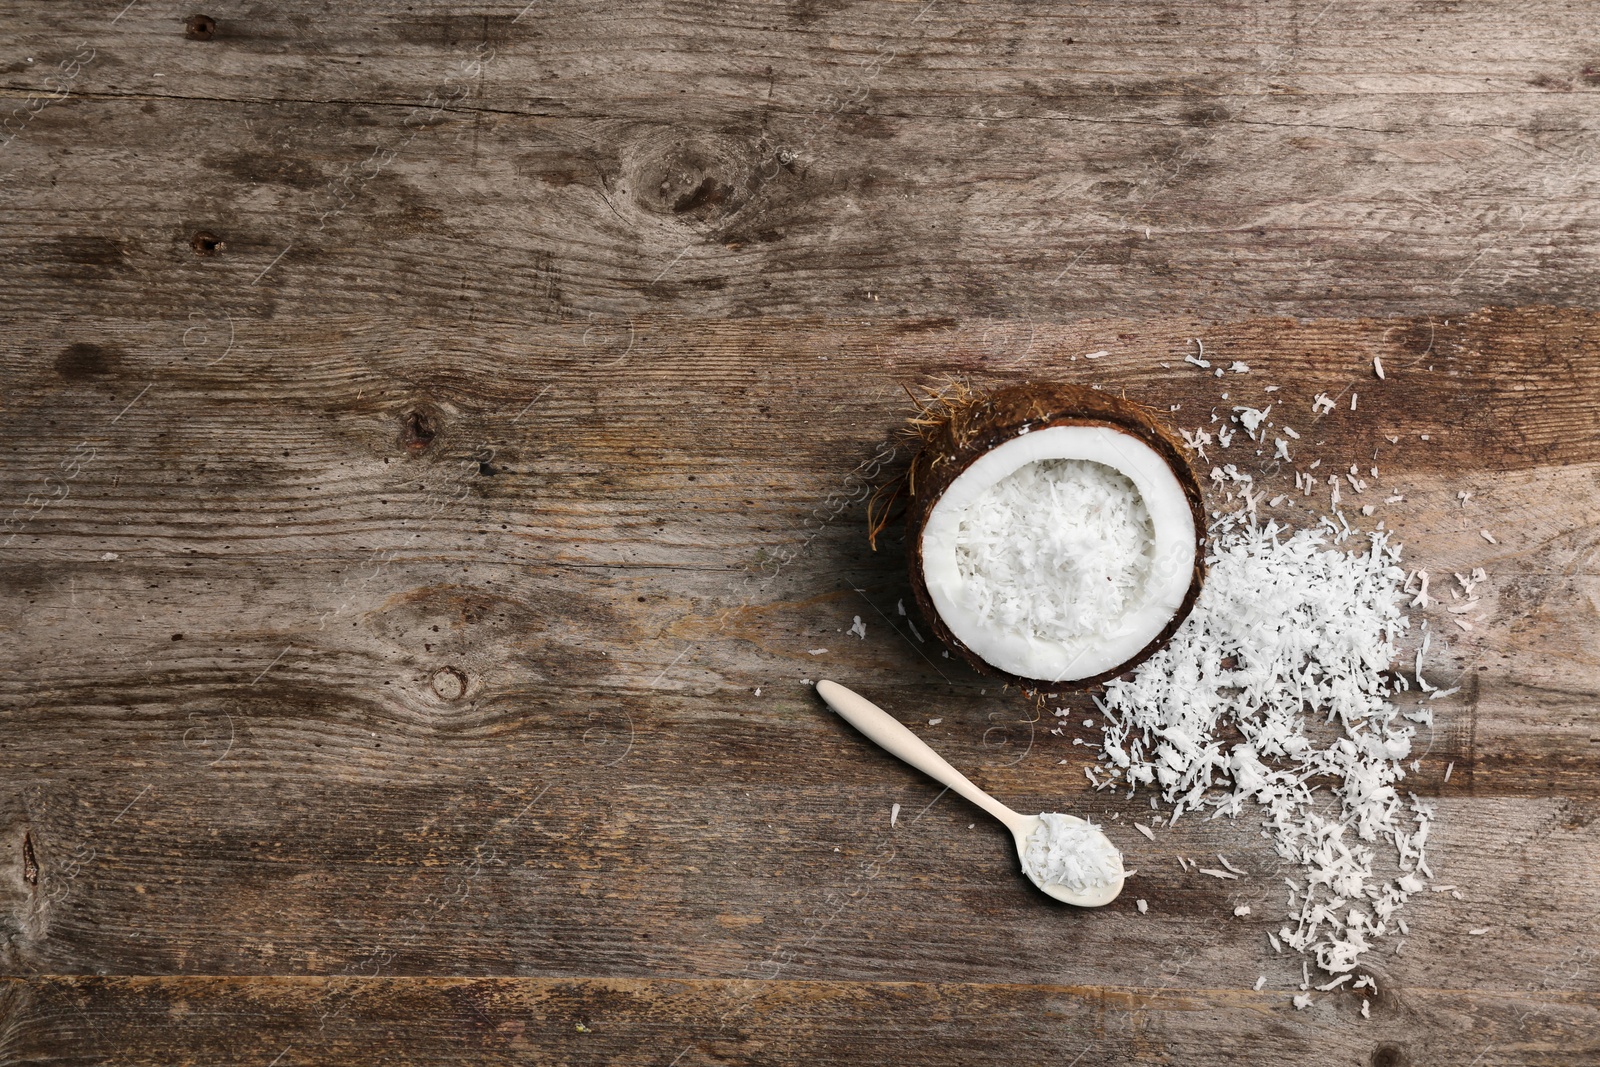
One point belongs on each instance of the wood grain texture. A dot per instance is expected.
(437, 441)
(626, 1021)
(877, 159)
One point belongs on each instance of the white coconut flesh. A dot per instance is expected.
(1061, 553)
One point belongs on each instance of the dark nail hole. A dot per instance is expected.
(1389, 1056)
(417, 430)
(206, 243)
(30, 866)
(200, 28)
(177, 637)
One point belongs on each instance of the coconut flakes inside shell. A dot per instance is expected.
(1058, 549)
(1055, 531)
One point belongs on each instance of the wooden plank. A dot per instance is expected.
(621, 417)
(894, 160)
(584, 1021)
(306, 845)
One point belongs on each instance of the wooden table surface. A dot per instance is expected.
(436, 438)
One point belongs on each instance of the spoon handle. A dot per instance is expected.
(895, 739)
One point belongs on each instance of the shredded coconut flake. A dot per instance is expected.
(1422, 599)
(1066, 851)
(1251, 418)
(1287, 652)
(1059, 550)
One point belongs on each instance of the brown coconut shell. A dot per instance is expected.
(960, 425)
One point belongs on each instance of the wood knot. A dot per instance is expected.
(418, 428)
(80, 361)
(701, 180)
(30, 863)
(450, 683)
(200, 28)
(206, 243)
(1390, 1056)
(709, 192)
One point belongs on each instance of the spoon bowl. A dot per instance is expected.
(1092, 897)
(881, 727)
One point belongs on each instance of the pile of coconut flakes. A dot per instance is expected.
(1288, 636)
(1277, 695)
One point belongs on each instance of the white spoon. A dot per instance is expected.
(881, 727)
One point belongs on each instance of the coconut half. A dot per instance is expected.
(1056, 533)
